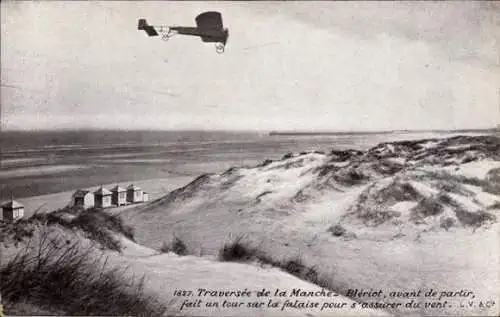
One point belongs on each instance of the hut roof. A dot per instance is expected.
(118, 189)
(13, 205)
(81, 193)
(102, 192)
(133, 187)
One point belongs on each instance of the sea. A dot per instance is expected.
(43, 162)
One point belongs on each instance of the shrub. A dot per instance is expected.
(165, 247)
(296, 267)
(326, 169)
(398, 191)
(474, 219)
(342, 156)
(385, 167)
(337, 230)
(351, 177)
(265, 163)
(237, 251)
(427, 206)
(376, 217)
(177, 246)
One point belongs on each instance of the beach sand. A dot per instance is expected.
(156, 188)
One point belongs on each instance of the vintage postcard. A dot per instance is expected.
(302, 158)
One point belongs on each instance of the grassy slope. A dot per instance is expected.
(53, 270)
(88, 276)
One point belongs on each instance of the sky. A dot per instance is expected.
(291, 66)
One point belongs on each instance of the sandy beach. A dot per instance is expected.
(47, 203)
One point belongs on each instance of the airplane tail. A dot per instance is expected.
(143, 25)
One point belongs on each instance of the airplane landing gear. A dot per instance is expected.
(219, 48)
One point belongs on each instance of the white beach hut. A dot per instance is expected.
(134, 194)
(118, 196)
(83, 198)
(12, 211)
(102, 198)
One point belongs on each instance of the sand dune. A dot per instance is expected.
(400, 217)
(394, 217)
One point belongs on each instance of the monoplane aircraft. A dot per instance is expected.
(209, 28)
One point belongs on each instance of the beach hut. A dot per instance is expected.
(134, 194)
(83, 198)
(102, 198)
(118, 196)
(145, 197)
(12, 211)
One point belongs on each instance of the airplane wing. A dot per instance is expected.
(209, 20)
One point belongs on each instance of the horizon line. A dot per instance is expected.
(285, 131)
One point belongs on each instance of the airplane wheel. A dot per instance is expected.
(219, 48)
(165, 37)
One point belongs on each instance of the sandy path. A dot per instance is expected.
(166, 273)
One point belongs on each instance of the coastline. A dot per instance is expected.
(50, 202)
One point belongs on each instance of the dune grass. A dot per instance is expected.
(238, 251)
(177, 246)
(97, 224)
(57, 275)
(241, 251)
